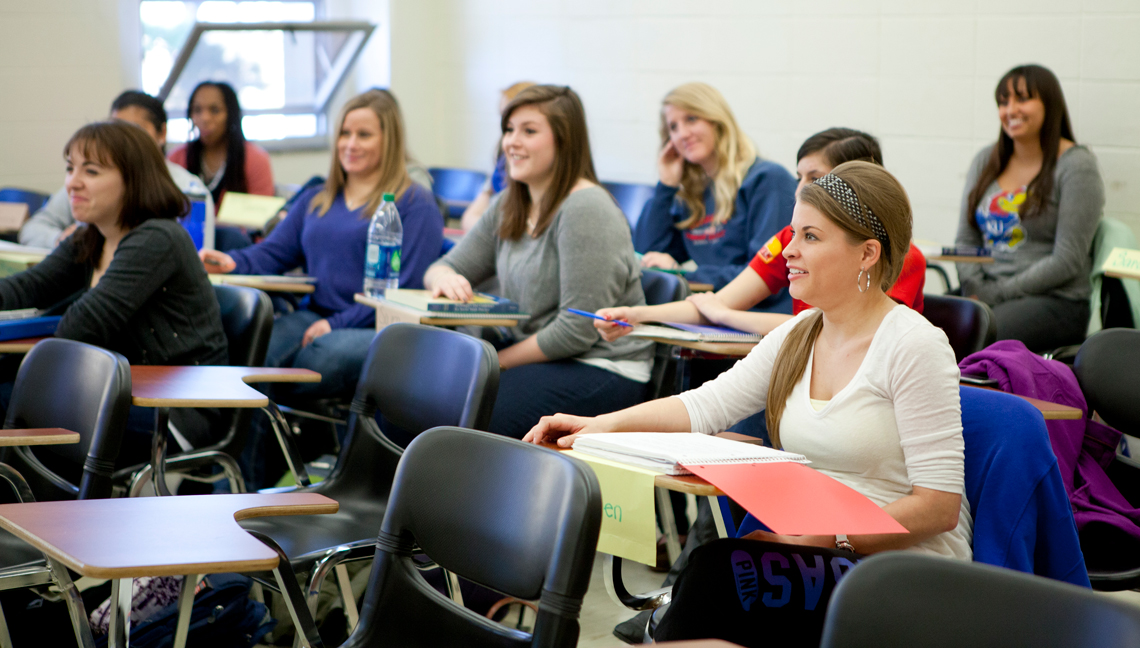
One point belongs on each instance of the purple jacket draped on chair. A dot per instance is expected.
(1084, 447)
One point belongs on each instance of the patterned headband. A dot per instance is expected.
(846, 197)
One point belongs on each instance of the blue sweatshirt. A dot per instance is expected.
(764, 205)
(331, 248)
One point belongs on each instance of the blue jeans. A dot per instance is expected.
(338, 356)
(529, 392)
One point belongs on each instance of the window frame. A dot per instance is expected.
(325, 93)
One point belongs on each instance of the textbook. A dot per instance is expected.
(482, 303)
(694, 333)
(670, 452)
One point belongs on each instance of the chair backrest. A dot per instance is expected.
(511, 516)
(247, 318)
(1108, 370)
(631, 198)
(416, 377)
(78, 387)
(907, 599)
(457, 184)
(33, 199)
(968, 323)
(661, 288)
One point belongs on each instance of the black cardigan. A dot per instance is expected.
(154, 303)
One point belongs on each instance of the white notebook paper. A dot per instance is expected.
(665, 452)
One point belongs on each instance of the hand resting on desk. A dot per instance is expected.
(563, 429)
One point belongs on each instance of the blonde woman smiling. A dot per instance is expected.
(716, 202)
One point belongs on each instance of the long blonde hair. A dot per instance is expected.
(735, 153)
(393, 168)
(882, 194)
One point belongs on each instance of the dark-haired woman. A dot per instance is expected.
(1034, 200)
(555, 240)
(131, 271)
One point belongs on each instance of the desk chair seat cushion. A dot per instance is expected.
(1084, 448)
(903, 599)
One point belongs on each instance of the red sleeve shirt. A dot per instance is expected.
(772, 267)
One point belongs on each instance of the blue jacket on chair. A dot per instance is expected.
(1022, 517)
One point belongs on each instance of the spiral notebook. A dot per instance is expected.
(694, 333)
(666, 452)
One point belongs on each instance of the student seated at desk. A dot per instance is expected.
(326, 233)
(767, 273)
(54, 221)
(555, 240)
(130, 270)
(1034, 199)
(864, 387)
(716, 202)
(221, 155)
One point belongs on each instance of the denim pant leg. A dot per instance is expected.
(261, 454)
(529, 392)
(338, 356)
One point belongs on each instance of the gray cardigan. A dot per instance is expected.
(153, 304)
(1054, 258)
(583, 260)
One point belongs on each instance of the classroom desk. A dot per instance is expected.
(698, 287)
(1050, 411)
(389, 313)
(21, 345)
(164, 387)
(1122, 274)
(126, 538)
(727, 349)
(37, 436)
(953, 258)
(272, 284)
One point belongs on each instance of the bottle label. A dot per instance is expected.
(382, 262)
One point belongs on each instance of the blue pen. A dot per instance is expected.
(597, 317)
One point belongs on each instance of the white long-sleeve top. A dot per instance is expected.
(896, 425)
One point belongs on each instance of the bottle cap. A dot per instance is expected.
(390, 197)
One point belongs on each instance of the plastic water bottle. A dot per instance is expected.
(382, 259)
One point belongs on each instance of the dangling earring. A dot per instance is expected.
(859, 280)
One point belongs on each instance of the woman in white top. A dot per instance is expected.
(866, 388)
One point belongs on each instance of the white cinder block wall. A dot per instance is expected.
(919, 74)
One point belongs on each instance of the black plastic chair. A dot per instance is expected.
(511, 516)
(247, 319)
(631, 198)
(968, 323)
(78, 387)
(33, 199)
(906, 599)
(1108, 370)
(661, 288)
(419, 377)
(457, 188)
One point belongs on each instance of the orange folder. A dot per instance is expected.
(793, 499)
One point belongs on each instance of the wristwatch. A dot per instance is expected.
(841, 542)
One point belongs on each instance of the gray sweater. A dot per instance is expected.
(1051, 253)
(583, 260)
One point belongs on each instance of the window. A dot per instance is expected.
(283, 63)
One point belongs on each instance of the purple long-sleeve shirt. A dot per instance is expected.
(331, 248)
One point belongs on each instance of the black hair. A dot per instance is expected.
(841, 145)
(234, 177)
(155, 111)
(1041, 84)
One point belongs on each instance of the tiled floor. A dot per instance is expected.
(600, 613)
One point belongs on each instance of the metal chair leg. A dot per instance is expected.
(75, 609)
(291, 590)
(284, 438)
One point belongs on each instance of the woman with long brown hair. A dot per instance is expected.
(555, 240)
(1033, 200)
(863, 386)
(717, 202)
(129, 277)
